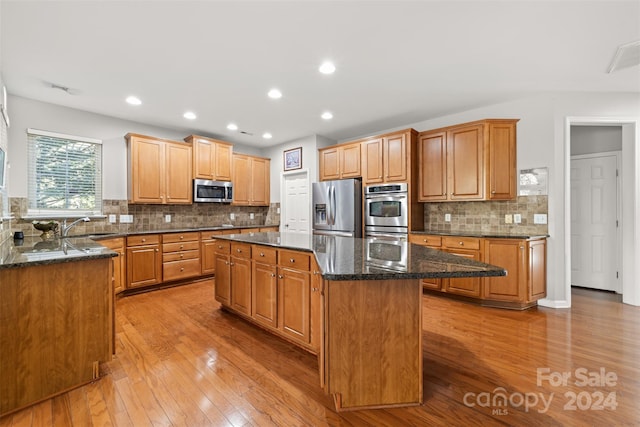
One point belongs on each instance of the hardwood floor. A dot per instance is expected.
(182, 361)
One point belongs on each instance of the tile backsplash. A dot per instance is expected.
(153, 217)
(487, 217)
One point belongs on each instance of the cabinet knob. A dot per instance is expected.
(239, 250)
(522, 247)
(261, 253)
(219, 246)
(291, 260)
(314, 289)
(226, 263)
(280, 276)
(181, 255)
(181, 246)
(493, 191)
(273, 274)
(144, 240)
(231, 264)
(181, 268)
(181, 237)
(461, 243)
(157, 250)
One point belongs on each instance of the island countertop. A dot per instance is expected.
(348, 258)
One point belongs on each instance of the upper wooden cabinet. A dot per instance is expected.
(387, 158)
(211, 158)
(340, 161)
(159, 170)
(471, 161)
(251, 180)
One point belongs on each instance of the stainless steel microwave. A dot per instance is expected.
(205, 191)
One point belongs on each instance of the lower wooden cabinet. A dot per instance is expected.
(144, 261)
(180, 256)
(274, 288)
(524, 260)
(118, 264)
(207, 251)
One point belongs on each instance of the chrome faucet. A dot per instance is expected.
(66, 228)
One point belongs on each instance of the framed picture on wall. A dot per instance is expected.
(293, 159)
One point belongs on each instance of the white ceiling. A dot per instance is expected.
(397, 62)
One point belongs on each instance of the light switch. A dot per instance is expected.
(232, 216)
(447, 217)
(540, 218)
(112, 219)
(167, 218)
(251, 216)
(508, 219)
(517, 218)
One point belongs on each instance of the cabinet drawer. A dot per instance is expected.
(241, 250)
(143, 239)
(180, 269)
(471, 243)
(180, 246)
(222, 247)
(264, 254)
(180, 237)
(421, 239)
(210, 235)
(297, 260)
(178, 256)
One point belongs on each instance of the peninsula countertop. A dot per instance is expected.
(32, 251)
(348, 258)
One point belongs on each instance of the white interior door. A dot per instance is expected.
(594, 216)
(296, 203)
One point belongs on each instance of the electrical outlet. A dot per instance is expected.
(126, 219)
(447, 217)
(517, 218)
(540, 218)
(112, 219)
(251, 216)
(277, 210)
(508, 219)
(167, 218)
(232, 216)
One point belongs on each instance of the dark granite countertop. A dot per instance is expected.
(480, 234)
(100, 236)
(347, 258)
(36, 251)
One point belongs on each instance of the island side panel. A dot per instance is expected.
(54, 329)
(374, 343)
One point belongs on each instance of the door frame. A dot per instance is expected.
(619, 233)
(283, 194)
(630, 195)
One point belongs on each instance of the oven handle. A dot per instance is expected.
(386, 236)
(386, 196)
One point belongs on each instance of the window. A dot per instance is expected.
(65, 174)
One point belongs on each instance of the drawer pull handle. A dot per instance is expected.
(291, 260)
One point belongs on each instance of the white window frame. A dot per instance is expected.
(63, 213)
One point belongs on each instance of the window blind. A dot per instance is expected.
(65, 174)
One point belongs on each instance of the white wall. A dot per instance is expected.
(27, 113)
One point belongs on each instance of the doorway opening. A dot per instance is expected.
(601, 197)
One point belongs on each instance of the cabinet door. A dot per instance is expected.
(432, 176)
(223, 162)
(469, 286)
(144, 266)
(203, 159)
(264, 300)
(118, 264)
(509, 254)
(293, 304)
(316, 308)
(178, 173)
(208, 250)
(241, 179)
(350, 161)
(147, 179)
(223, 279)
(537, 270)
(395, 158)
(502, 161)
(329, 164)
(241, 285)
(465, 163)
(373, 169)
(260, 182)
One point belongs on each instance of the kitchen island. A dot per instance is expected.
(356, 303)
(56, 317)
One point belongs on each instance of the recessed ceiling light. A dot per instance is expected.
(267, 135)
(232, 126)
(133, 100)
(327, 115)
(327, 67)
(275, 94)
(189, 115)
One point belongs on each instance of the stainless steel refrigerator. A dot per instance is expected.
(337, 207)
